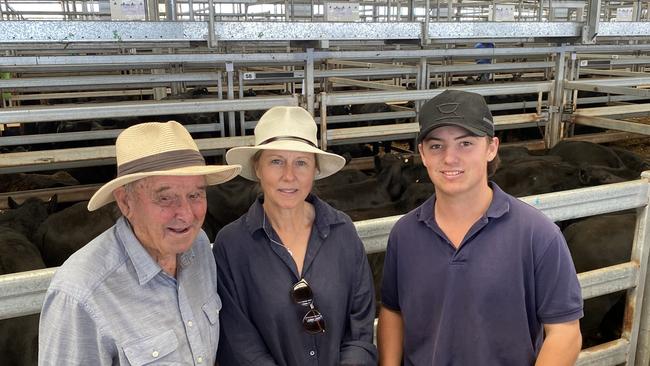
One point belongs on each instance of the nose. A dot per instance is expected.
(184, 210)
(288, 172)
(450, 155)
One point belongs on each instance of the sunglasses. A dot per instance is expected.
(313, 321)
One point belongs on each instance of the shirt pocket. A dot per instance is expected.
(151, 350)
(211, 310)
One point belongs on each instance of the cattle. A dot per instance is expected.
(19, 336)
(227, 202)
(66, 231)
(23, 182)
(596, 242)
(537, 176)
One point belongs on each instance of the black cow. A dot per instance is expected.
(19, 336)
(597, 242)
(23, 182)
(66, 231)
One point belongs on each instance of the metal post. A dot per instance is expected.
(242, 127)
(423, 80)
(427, 18)
(220, 96)
(553, 127)
(230, 70)
(323, 121)
(636, 326)
(211, 39)
(308, 82)
(170, 9)
(590, 29)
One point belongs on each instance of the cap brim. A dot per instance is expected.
(328, 163)
(214, 174)
(425, 132)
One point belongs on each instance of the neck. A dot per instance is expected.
(468, 207)
(166, 262)
(292, 219)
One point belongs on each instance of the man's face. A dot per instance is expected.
(166, 212)
(456, 160)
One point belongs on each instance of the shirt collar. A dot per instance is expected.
(499, 205)
(325, 215)
(145, 266)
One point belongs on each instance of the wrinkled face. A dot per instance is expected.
(286, 177)
(456, 160)
(166, 212)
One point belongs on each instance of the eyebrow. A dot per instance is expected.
(202, 187)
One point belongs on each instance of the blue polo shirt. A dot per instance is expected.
(484, 303)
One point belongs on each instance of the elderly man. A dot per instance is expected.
(144, 291)
(474, 276)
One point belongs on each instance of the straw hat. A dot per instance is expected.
(285, 128)
(153, 148)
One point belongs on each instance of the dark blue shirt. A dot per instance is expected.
(484, 303)
(261, 325)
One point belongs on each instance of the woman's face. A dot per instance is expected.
(286, 177)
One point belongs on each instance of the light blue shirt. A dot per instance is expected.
(112, 304)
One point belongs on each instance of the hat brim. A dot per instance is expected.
(214, 174)
(328, 163)
(461, 124)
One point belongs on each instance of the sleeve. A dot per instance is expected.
(389, 294)
(557, 290)
(69, 335)
(357, 346)
(239, 341)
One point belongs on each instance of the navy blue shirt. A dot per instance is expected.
(260, 323)
(484, 303)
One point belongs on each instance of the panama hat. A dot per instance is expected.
(154, 149)
(285, 128)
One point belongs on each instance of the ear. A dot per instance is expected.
(121, 198)
(493, 148)
(424, 160)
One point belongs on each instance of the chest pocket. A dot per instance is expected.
(211, 309)
(151, 350)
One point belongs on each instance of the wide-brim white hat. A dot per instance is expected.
(289, 129)
(156, 149)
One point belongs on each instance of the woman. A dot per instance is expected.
(292, 272)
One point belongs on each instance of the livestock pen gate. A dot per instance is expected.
(23, 293)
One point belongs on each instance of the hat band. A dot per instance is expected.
(163, 161)
(294, 138)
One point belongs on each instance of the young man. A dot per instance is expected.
(144, 291)
(474, 276)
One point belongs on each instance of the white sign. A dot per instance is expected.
(341, 12)
(127, 9)
(504, 13)
(624, 14)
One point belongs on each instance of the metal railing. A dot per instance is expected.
(23, 293)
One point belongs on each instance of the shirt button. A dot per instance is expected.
(199, 359)
(189, 323)
(154, 354)
(311, 353)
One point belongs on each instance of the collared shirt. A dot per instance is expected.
(484, 303)
(261, 325)
(111, 304)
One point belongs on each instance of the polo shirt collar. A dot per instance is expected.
(145, 266)
(498, 207)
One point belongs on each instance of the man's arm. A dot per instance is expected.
(390, 337)
(561, 345)
(68, 334)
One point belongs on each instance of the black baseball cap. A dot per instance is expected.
(457, 108)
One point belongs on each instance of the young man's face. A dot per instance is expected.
(166, 212)
(456, 160)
